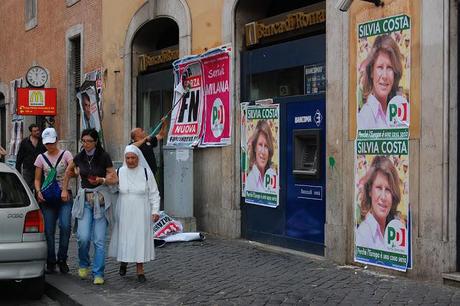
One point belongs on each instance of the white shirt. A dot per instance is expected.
(369, 235)
(372, 115)
(255, 181)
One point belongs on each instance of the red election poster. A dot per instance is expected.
(186, 118)
(216, 72)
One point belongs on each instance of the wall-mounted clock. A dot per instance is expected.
(37, 76)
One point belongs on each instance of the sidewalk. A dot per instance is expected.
(236, 272)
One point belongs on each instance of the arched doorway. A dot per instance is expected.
(276, 66)
(155, 46)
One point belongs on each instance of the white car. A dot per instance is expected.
(22, 238)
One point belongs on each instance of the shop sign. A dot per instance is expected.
(277, 25)
(36, 102)
(156, 58)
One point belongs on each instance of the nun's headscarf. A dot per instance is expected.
(133, 149)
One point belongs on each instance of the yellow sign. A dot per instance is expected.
(36, 98)
(163, 56)
(257, 30)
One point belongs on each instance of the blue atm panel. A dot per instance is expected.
(298, 221)
(305, 168)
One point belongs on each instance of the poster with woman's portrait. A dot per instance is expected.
(383, 73)
(382, 210)
(382, 214)
(243, 145)
(89, 109)
(262, 155)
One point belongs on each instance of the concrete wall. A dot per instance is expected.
(339, 179)
(216, 184)
(433, 157)
(199, 30)
(120, 76)
(113, 53)
(435, 222)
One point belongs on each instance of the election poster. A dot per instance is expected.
(90, 117)
(382, 208)
(244, 147)
(262, 156)
(186, 117)
(216, 71)
(17, 123)
(202, 103)
(94, 78)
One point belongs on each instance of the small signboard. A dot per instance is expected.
(315, 79)
(36, 101)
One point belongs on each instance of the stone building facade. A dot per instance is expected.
(116, 35)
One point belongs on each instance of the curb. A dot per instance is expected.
(67, 291)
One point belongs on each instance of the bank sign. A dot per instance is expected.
(36, 102)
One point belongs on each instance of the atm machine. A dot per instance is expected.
(293, 82)
(304, 170)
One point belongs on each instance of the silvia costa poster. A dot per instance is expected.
(262, 156)
(382, 215)
(201, 111)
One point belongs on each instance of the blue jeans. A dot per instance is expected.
(90, 229)
(52, 213)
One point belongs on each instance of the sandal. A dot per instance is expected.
(123, 267)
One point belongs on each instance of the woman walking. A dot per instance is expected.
(92, 205)
(137, 210)
(54, 210)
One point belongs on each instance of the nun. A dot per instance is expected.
(136, 211)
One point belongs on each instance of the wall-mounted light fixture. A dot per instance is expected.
(344, 5)
(376, 2)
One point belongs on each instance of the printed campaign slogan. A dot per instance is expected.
(261, 167)
(382, 232)
(201, 110)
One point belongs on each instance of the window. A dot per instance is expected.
(30, 14)
(75, 75)
(12, 192)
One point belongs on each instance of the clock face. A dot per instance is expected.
(37, 76)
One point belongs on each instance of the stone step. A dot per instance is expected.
(452, 279)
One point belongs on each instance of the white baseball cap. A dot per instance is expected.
(49, 135)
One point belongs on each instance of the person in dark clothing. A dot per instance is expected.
(29, 148)
(146, 143)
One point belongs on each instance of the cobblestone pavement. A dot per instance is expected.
(235, 272)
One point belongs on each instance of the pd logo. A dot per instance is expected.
(398, 113)
(217, 118)
(270, 181)
(396, 235)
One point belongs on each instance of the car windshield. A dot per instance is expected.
(12, 192)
